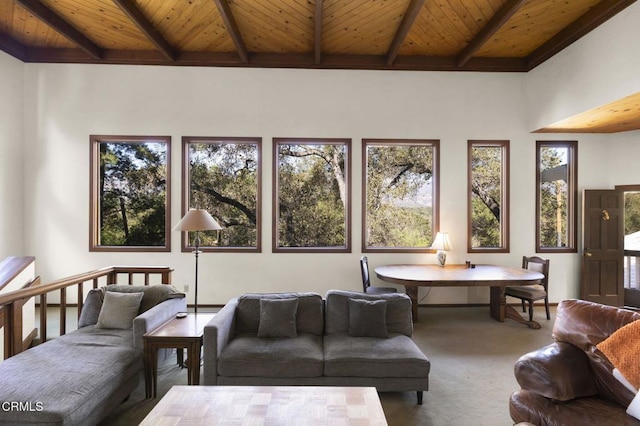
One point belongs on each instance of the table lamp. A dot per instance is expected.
(442, 244)
(197, 220)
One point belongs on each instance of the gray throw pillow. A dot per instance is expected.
(367, 318)
(278, 318)
(119, 310)
(91, 308)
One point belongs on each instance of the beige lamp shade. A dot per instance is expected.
(442, 242)
(197, 220)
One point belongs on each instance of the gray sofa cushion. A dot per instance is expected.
(119, 310)
(108, 363)
(396, 356)
(367, 318)
(398, 316)
(278, 318)
(309, 316)
(251, 356)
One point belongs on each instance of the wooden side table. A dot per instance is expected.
(179, 333)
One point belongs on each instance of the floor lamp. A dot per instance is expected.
(197, 220)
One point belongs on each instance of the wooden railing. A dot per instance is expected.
(11, 302)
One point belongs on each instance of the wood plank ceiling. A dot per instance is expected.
(431, 35)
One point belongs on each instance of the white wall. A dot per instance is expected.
(11, 156)
(67, 103)
(597, 69)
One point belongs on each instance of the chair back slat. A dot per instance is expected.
(364, 269)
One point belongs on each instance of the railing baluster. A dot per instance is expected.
(16, 326)
(6, 323)
(80, 298)
(43, 317)
(63, 311)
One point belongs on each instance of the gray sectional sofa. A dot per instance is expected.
(80, 377)
(346, 339)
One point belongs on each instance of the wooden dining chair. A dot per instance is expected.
(366, 281)
(531, 293)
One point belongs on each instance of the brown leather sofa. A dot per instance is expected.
(570, 382)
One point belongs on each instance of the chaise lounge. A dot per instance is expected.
(80, 377)
(288, 339)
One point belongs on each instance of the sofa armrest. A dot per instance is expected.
(217, 333)
(559, 371)
(155, 317)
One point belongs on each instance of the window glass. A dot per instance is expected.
(556, 201)
(224, 179)
(400, 194)
(311, 195)
(488, 204)
(130, 193)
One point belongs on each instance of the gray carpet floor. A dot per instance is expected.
(472, 358)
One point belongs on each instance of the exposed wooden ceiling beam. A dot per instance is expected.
(280, 60)
(596, 16)
(407, 21)
(232, 28)
(56, 22)
(494, 24)
(318, 32)
(13, 47)
(138, 18)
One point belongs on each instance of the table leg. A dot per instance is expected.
(497, 303)
(499, 310)
(193, 363)
(150, 369)
(196, 370)
(147, 374)
(412, 292)
(180, 357)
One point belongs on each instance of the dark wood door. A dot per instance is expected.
(603, 247)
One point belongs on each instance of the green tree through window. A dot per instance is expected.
(400, 211)
(224, 179)
(488, 214)
(311, 195)
(556, 201)
(130, 193)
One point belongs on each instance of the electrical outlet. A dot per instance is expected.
(186, 288)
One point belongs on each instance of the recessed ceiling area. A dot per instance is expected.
(622, 115)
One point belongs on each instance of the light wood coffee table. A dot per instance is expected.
(265, 405)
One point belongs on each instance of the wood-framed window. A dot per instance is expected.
(130, 193)
(488, 196)
(400, 194)
(223, 176)
(557, 195)
(311, 195)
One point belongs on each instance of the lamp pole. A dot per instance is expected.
(197, 253)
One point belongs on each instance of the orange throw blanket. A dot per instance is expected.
(622, 349)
